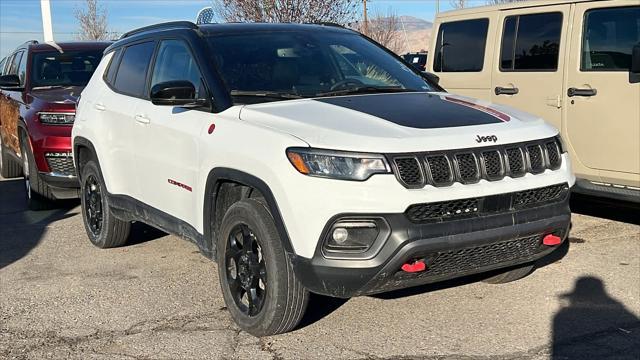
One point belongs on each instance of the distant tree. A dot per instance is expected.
(93, 21)
(458, 4)
(294, 11)
(384, 28)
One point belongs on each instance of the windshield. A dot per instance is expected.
(286, 65)
(70, 68)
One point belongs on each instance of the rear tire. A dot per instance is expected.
(9, 168)
(39, 196)
(252, 263)
(510, 275)
(103, 228)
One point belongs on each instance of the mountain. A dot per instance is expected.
(415, 35)
(412, 23)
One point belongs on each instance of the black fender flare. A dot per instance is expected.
(81, 141)
(219, 175)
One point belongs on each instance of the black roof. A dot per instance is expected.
(211, 29)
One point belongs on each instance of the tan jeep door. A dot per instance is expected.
(603, 97)
(527, 73)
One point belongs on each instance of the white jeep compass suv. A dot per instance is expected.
(307, 158)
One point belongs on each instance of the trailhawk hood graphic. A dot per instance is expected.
(397, 122)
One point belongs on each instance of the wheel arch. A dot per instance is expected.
(213, 204)
(83, 151)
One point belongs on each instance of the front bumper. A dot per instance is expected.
(449, 249)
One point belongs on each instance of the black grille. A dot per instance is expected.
(539, 195)
(61, 165)
(409, 171)
(440, 169)
(553, 153)
(467, 168)
(516, 162)
(442, 210)
(461, 208)
(493, 164)
(470, 259)
(536, 160)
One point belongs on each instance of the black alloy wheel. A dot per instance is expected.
(94, 208)
(246, 270)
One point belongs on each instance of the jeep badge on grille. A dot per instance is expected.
(487, 138)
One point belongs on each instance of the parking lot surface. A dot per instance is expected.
(158, 298)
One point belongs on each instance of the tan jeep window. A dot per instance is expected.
(531, 42)
(608, 38)
(460, 46)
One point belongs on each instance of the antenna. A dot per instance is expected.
(205, 16)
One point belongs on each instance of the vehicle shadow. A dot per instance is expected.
(593, 325)
(21, 230)
(604, 208)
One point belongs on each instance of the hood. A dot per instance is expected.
(59, 95)
(398, 122)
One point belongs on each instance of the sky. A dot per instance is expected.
(20, 20)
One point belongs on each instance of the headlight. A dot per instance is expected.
(56, 118)
(337, 164)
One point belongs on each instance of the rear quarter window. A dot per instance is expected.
(460, 46)
(110, 72)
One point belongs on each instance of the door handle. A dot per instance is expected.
(99, 107)
(142, 119)
(581, 92)
(506, 91)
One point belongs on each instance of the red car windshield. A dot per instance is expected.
(70, 68)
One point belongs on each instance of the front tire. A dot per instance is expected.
(258, 283)
(39, 195)
(103, 228)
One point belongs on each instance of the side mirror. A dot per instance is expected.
(9, 81)
(175, 93)
(635, 59)
(431, 77)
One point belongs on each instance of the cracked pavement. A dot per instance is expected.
(158, 298)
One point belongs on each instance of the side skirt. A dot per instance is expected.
(129, 209)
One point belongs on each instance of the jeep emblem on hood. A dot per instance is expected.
(487, 138)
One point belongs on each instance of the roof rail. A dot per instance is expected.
(328, 23)
(166, 25)
(31, 42)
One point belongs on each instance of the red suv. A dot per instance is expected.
(39, 86)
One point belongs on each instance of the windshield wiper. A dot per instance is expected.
(267, 94)
(365, 90)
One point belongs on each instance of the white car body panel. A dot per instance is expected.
(139, 160)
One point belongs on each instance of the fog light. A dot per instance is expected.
(352, 235)
(340, 235)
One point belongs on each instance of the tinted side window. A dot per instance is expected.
(22, 68)
(15, 63)
(608, 38)
(460, 46)
(132, 72)
(110, 72)
(175, 62)
(531, 42)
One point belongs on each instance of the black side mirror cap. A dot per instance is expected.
(176, 93)
(635, 59)
(9, 81)
(431, 77)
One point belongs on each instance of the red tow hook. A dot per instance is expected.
(551, 240)
(414, 267)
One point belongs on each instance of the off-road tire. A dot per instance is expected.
(39, 195)
(9, 168)
(285, 298)
(510, 275)
(113, 232)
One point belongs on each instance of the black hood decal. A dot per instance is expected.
(420, 110)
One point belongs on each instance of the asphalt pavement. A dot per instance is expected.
(159, 298)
